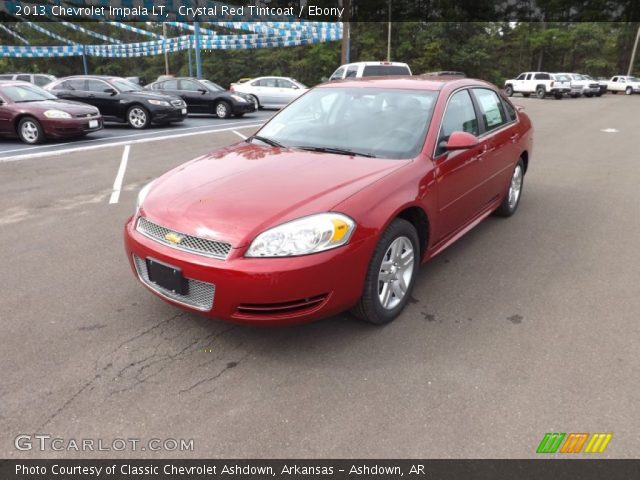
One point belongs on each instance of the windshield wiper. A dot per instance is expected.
(339, 151)
(266, 140)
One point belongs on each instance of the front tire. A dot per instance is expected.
(511, 199)
(30, 131)
(628, 91)
(508, 90)
(391, 274)
(138, 117)
(223, 110)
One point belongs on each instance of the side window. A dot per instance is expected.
(521, 76)
(337, 75)
(459, 117)
(511, 112)
(6, 77)
(169, 85)
(528, 76)
(491, 108)
(268, 82)
(189, 85)
(542, 76)
(282, 83)
(98, 86)
(622, 80)
(23, 78)
(75, 84)
(41, 80)
(257, 83)
(352, 71)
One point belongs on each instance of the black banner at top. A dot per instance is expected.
(322, 10)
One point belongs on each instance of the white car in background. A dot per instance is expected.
(370, 69)
(581, 85)
(624, 83)
(271, 92)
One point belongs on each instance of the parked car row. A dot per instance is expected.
(543, 84)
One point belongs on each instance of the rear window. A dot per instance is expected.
(542, 76)
(381, 70)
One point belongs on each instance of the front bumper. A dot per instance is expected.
(259, 291)
(247, 107)
(70, 127)
(168, 114)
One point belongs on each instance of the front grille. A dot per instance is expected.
(188, 243)
(200, 294)
(87, 115)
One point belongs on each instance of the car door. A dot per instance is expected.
(287, 91)
(6, 117)
(499, 136)
(529, 84)
(197, 97)
(107, 102)
(518, 83)
(268, 91)
(458, 173)
(72, 89)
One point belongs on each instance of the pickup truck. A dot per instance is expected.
(623, 83)
(539, 83)
(581, 85)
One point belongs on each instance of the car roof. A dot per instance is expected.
(377, 62)
(7, 83)
(407, 82)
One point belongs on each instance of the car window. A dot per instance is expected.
(528, 76)
(99, 86)
(74, 84)
(337, 74)
(6, 77)
(169, 85)
(459, 117)
(283, 83)
(511, 111)
(189, 85)
(27, 93)
(41, 80)
(382, 70)
(268, 82)
(24, 78)
(352, 71)
(622, 80)
(521, 76)
(542, 76)
(491, 108)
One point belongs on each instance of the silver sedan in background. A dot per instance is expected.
(271, 92)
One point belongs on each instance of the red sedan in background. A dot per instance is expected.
(33, 114)
(334, 203)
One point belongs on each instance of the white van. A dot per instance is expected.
(370, 69)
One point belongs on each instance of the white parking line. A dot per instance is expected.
(244, 137)
(55, 153)
(117, 184)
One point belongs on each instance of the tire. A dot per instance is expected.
(256, 102)
(511, 199)
(508, 90)
(222, 109)
(526, 95)
(398, 247)
(30, 131)
(628, 91)
(138, 117)
(598, 94)
(557, 96)
(540, 92)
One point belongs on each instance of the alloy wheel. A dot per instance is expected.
(396, 272)
(30, 132)
(137, 117)
(515, 187)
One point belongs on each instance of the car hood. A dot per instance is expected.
(69, 106)
(235, 193)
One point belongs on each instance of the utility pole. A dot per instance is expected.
(346, 32)
(633, 53)
(166, 53)
(389, 34)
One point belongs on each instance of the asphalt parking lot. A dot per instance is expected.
(527, 325)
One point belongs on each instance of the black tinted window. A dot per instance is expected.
(338, 74)
(169, 85)
(41, 80)
(542, 76)
(74, 84)
(380, 70)
(511, 112)
(459, 117)
(94, 85)
(24, 78)
(189, 85)
(351, 71)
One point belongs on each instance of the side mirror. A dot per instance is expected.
(461, 141)
(111, 91)
(202, 91)
(295, 87)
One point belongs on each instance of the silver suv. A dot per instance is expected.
(39, 79)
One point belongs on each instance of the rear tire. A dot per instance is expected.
(511, 199)
(256, 102)
(391, 274)
(540, 92)
(30, 131)
(628, 91)
(508, 90)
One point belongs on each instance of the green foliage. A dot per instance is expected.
(490, 50)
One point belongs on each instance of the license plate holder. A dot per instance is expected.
(184, 111)
(93, 123)
(167, 276)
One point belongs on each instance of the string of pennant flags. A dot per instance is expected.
(256, 34)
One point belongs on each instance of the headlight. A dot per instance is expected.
(142, 195)
(238, 98)
(312, 234)
(160, 103)
(56, 114)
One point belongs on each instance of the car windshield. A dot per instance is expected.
(376, 122)
(125, 85)
(212, 85)
(27, 93)
(634, 79)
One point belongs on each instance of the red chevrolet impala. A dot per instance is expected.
(334, 203)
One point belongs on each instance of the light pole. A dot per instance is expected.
(166, 53)
(389, 34)
(633, 53)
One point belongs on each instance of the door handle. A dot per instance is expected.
(514, 138)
